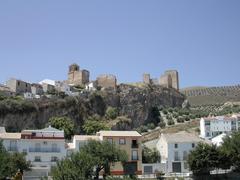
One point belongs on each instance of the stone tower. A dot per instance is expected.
(146, 78)
(174, 76)
(77, 76)
(170, 79)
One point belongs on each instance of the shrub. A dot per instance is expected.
(111, 113)
(162, 124)
(180, 119)
(150, 126)
(170, 122)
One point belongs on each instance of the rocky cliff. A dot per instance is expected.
(131, 101)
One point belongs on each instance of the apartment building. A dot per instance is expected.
(211, 127)
(43, 147)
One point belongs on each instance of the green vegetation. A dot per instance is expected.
(89, 161)
(149, 155)
(205, 158)
(90, 127)
(111, 113)
(10, 163)
(63, 123)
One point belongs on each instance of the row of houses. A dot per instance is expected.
(46, 146)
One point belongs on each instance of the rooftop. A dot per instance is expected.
(119, 133)
(181, 137)
(10, 135)
(48, 129)
(219, 118)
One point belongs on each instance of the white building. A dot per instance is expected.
(174, 150)
(63, 87)
(218, 140)
(43, 147)
(213, 126)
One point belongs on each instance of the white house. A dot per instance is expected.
(213, 126)
(43, 147)
(174, 150)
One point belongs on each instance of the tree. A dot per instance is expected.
(111, 112)
(203, 159)
(91, 127)
(150, 155)
(63, 123)
(231, 149)
(155, 115)
(89, 161)
(78, 166)
(104, 154)
(10, 163)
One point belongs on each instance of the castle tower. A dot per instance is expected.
(77, 76)
(146, 78)
(174, 78)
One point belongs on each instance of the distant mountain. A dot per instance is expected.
(201, 95)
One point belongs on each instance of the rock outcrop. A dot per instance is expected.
(131, 101)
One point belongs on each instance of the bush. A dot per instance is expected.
(180, 119)
(165, 111)
(150, 126)
(142, 129)
(111, 113)
(162, 124)
(170, 122)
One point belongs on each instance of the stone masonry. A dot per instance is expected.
(76, 76)
(170, 79)
(18, 86)
(107, 81)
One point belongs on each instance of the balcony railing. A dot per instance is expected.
(45, 150)
(12, 148)
(134, 145)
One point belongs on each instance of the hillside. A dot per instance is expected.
(211, 95)
(133, 102)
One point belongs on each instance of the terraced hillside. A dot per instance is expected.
(211, 95)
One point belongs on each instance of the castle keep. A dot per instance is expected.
(77, 76)
(107, 81)
(169, 79)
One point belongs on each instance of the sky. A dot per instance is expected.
(200, 39)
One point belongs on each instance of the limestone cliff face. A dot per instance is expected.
(131, 101)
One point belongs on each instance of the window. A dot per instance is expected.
(185, 155)
(122, 141)
(54, 159)
(193, 145)
(54, 148)
(176, 157)
(134, 155)
(18, 83)
(110, 140)
(134, 143)
(45, 142)
(176, 145)
(37, 159)
(185, 165)
(37, 147)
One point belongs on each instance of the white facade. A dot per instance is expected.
(174, 150)
(42, 147)
(210, 127)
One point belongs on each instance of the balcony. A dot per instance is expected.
(12, 148)
(45, 150)
(134, 158)
(134, 145)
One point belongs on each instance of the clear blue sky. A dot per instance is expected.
(201, 39)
